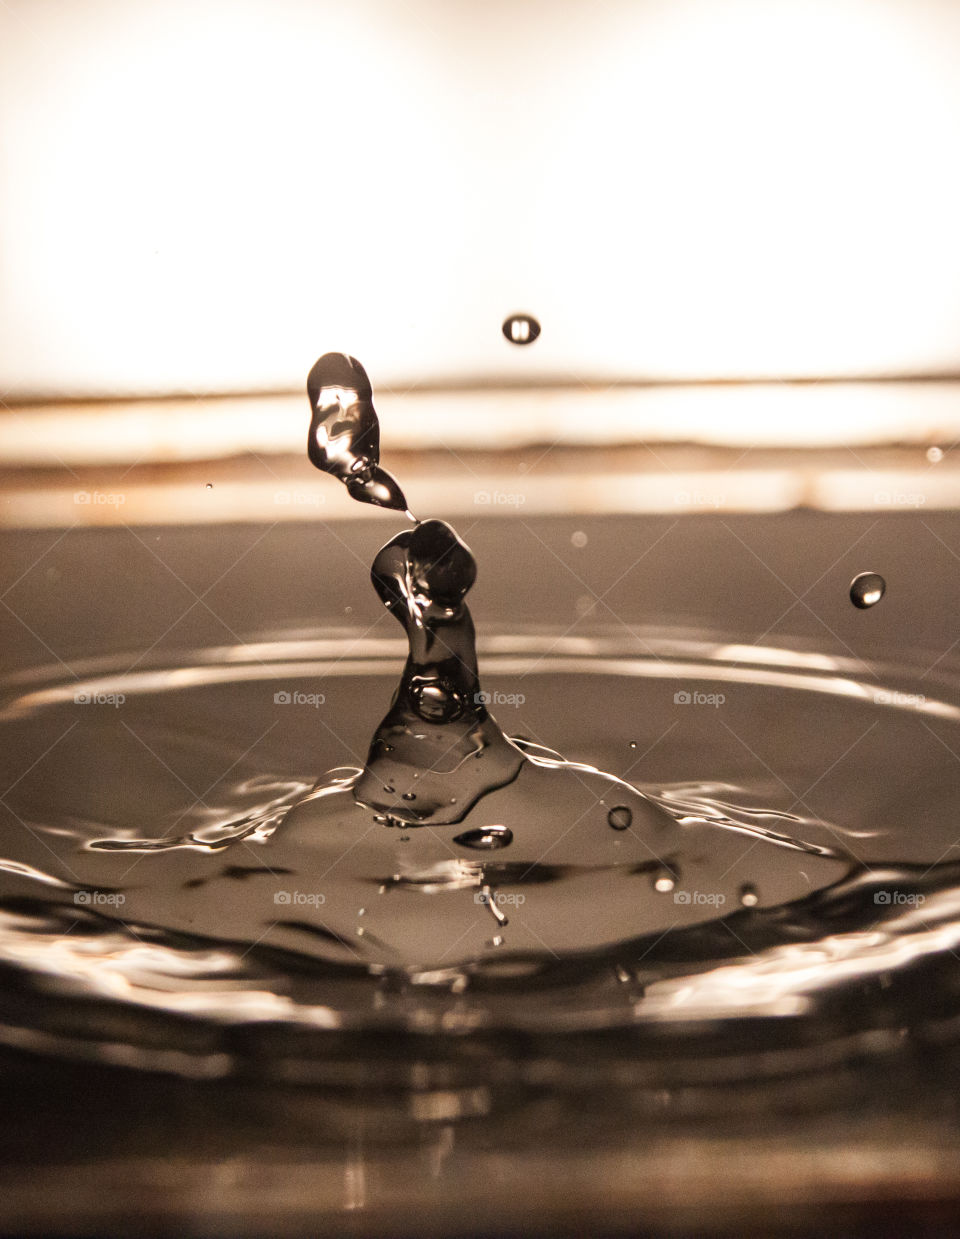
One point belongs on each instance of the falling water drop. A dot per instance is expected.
(520, 328)
(867, 589)
(620, 817)
(209, 486)
(934, 455)
(748, 895)
(664, 882)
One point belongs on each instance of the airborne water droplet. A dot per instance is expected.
(934, 455)
(620, 817)
(409, 795)
(485, 838)
(520, 328)
(867, 589)
(748, 895)
(664, 883)
(209, 486)
(579, 538)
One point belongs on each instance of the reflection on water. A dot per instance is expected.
(170, 859)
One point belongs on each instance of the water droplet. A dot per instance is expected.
(748, 895)
(934, 455)
(361, 911)
(209, 486)
(579, 538)
(620, 817)
(633, 744)
(409, 795)
(520, 328)
(360, 931)
(348, 610)
(867, 589)
(388, 788)
(497, 941)
(664, 882)
(485, 838)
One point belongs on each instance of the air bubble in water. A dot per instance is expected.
(620, 817)
(867, 589)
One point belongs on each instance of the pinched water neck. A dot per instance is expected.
(438, 750)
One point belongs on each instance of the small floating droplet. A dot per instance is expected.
(209, 486)
(867, 589)
(520, 328)
(620, 817)
(934, 455)
(497, 941)
(485, 838)
(579, 538)
(664, 882)
(633, 744)
(748, 895)
(409, 795)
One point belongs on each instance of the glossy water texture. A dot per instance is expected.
(867, 589)
(344, 438)
(170, 869)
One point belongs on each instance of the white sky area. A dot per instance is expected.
(203, 196)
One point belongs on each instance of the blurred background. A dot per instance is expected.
(735, 224)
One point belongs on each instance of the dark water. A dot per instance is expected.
(180, 872)
(173, 873)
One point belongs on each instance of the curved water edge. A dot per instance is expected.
(863, 941)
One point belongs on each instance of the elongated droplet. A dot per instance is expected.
(867, 589)
(485, 838)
